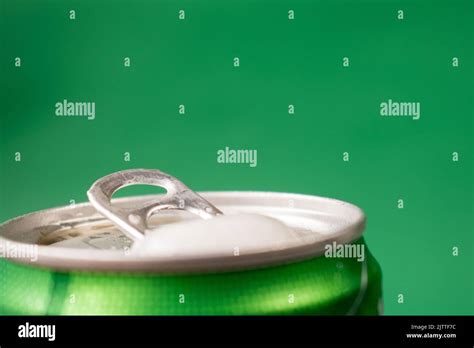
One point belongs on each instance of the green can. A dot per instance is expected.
(183, 253)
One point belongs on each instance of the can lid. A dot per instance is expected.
(104, 230)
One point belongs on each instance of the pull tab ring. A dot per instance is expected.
(133, 221)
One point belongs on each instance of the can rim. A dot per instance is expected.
(60, 258)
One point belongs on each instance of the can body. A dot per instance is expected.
(321, 286)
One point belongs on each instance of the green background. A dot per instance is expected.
(282, 62)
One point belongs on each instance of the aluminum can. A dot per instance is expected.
(79, 260)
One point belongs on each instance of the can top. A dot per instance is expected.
(80, 237)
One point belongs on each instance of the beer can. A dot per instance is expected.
(269, 253)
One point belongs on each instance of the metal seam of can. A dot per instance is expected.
(363, 287)
(59, 292)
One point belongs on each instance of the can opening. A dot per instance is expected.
(101, 233)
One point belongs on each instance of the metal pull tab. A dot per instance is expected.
(133, 221)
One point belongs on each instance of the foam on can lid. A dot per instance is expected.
(232, 234)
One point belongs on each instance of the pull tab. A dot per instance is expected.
(133, 221)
